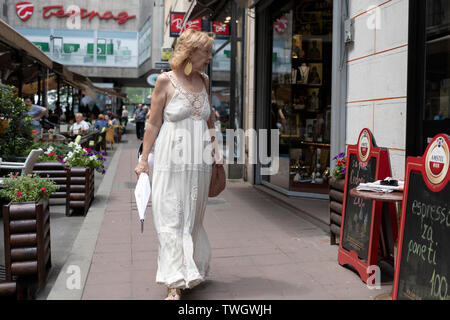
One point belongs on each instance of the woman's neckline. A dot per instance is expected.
(184, 87)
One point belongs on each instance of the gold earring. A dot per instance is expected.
(188, 68)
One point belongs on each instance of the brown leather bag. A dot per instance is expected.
(218, 180)
(218, 177)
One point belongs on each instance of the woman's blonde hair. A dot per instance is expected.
(101, 117)
(187, 43)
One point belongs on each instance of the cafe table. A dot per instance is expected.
(395, 197)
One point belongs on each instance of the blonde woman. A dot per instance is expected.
(180, 190)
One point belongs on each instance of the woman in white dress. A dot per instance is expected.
(182, 163)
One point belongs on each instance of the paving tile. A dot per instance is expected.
(107, 292)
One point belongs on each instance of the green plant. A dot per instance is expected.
(17, 136)
(339, 170)
(26, 188)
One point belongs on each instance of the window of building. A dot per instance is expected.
(300, 93)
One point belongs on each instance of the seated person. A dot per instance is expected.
(80, 126)
(115, 120)
(100, 123)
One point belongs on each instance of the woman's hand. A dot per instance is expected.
(141, 167)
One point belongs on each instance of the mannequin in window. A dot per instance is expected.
(304, 72)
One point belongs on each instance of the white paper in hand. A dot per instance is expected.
(142, 194)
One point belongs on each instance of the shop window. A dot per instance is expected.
(300, 105)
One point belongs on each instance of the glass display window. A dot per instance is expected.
(300, 105)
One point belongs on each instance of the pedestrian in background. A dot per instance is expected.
(139, 119)
(180, 191)
(124, 118)
(37, 113)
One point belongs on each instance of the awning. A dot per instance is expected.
(15, 40)
(200, 8)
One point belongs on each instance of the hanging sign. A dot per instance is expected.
(221, 30)
(176, 24)
(362, 218)
(422, 270)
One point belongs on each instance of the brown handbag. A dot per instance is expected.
(218, 177)
(218, 180)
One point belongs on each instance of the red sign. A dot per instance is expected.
(221, 28)
(281, 24)
(59, 12)
(24, 10)
(176, 23)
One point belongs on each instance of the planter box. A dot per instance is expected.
(56, 172)
(27, 240)
(336, 199)
(81, 189)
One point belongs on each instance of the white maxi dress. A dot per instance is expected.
(180, 186)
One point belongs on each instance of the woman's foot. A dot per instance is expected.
(173, 294)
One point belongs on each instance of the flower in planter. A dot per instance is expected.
(27, 188)
(83, 157)
(339, 171)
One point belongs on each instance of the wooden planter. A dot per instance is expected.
(27, 240)
(56, 172)
(81, 190)
(336, 200)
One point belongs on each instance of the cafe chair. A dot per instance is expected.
(25, 167)
(110, 137)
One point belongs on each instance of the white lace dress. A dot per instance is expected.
(180, 188)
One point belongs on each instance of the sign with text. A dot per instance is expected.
(25, 11)
(422, 270)
(361, 218)
(221, 30)
(176, 24)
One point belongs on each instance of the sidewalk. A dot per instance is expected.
(261, 250)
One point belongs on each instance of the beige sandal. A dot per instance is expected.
(173, 294)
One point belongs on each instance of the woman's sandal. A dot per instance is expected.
(173, 294)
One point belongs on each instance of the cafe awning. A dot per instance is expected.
(212, 8)
(17, 41)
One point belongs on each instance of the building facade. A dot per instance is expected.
(110, 42)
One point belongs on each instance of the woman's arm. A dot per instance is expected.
(154, 122)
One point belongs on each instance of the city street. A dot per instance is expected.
(260, 249)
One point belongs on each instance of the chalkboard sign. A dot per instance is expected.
(361, 219)
(423, 261)
(358, 212)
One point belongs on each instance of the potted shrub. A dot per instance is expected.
(16, 129)
(26, 221)
(82, 163)
(337, 184)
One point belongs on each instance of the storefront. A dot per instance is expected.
(428, 108)
(294, 91)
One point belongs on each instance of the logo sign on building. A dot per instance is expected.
(176, 24)
(151, 79)
(24, 10)
(221, 30)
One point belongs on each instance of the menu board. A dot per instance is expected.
(423, 261)
(358, 212)
(362, 219)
